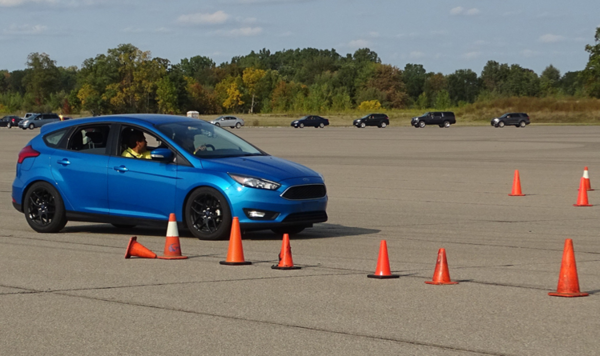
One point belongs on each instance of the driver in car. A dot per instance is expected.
(137, 146)
(187, 142)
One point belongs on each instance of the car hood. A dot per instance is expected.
(268, 167)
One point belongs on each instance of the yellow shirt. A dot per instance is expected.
(132, 154)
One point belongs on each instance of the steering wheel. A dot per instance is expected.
(211, 147)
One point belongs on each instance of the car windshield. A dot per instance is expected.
(366, 116)
(304, 117)
(207, 141)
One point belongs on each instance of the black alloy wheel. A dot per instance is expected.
(207, 214)
(44, 208)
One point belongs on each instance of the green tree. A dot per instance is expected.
(549, 80)
(591, 74)
(251, 77)
(493, 76)
(414, 77)
(166, 96)
(43, 76)
(463, 85)
(442, 100)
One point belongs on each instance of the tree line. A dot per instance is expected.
(129, 80)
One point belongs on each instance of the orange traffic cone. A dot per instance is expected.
(285, 256)
(582, 199)
(136, 249)
(516, 189)
(235, 253)
(172, 247)
(441, 275)
(383, 264)
(568, 282)
(586, 177)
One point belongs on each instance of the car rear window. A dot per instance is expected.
(53, 139)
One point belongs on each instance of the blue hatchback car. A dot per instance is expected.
(76, 170)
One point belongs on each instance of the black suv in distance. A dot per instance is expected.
(379, 120)
(519, 119)
(440, 118)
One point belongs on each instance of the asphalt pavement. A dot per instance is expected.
(74, 293)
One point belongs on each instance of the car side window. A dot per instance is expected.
(90, 139)
(152, 142)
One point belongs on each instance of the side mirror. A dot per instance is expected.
(162, 155)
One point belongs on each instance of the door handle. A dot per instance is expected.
(121, 169)
(64, 162)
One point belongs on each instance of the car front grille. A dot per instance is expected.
(309, 217)
(302, 192)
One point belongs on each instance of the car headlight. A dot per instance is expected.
(295, 122)
(496, 119)
(254, 182)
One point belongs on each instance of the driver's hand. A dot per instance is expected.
(201, 148)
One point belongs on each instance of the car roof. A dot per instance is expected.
(141, 119)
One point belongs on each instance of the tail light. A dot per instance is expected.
(27, 152)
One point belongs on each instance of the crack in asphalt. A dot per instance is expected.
(263, 322)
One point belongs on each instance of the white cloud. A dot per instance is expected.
(529, 53)
(472, 55)
(358, 44)
(216, 18)
(416, 55)
(25, 30)
(456, 11)
(462, 11)
(550, 38)
(241, 32)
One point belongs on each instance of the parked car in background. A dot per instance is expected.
(202, 173)
(10, 121)
(379, 120)
(440, 118)
(38, 120)
(310, 120)
(63, 117)
(228, 121)
(519, 119)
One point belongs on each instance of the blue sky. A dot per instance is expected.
(443, 35)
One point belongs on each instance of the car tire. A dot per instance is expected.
(44, 208)
(292, 230)
(31, 126)
(362, 125)
(422, 124)
(301, 126)
(522, 124)
(446, 124)
(9, 125)
(123, 226)
(501, 124)
(321, 125)
(238, 125)
(217, 124)
(207, 214)
(383, 125)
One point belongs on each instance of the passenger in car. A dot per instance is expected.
(136, 146)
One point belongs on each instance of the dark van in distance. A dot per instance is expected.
(440, 118)
(518, 119)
